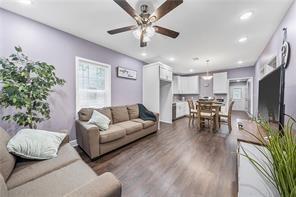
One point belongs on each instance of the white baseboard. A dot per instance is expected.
(73, 143)
(168, 122)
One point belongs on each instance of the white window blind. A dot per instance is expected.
(93, 84)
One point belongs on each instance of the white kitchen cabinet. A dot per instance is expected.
(188, 84)
(176, 84)
(220, 83)
(165, 73)
(182, 109)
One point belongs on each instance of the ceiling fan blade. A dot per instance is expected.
(165, 8)
(166, 32)
(123, 29)
(129, 9)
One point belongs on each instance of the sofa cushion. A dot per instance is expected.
(146, 123)
(113, 133)
(56, 183)
(7, 160)
(119, 114)
(27, 170)
(84, 114)
(107, 112)
(133, 111)
(130, 126)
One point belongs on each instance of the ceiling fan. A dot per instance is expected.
(145, 29)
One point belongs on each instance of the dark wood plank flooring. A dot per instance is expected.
(176, 161)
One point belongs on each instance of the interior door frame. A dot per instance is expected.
(251, 79)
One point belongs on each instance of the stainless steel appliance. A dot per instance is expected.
(174, 116)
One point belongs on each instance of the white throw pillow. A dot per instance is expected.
(100, 120)
(35, 144)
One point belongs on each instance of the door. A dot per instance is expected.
(249, 96)
(238, 95)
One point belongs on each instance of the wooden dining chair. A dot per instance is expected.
(192, 111)
(226, 117)
(205, 113)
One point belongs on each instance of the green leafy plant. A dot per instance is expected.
(26, 85)
(279, 165)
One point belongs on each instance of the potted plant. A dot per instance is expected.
(26, 85)
(279, 165)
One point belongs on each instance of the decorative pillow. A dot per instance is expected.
(100, 120)
(105, 111)
(35, 144)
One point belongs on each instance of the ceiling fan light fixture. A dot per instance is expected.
(150, 31)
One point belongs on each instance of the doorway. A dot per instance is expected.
(241, 92)
(238, 94)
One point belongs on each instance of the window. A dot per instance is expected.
(93, 84)
(237, 93)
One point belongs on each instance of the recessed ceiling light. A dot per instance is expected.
(172, 59)
(243, 39)
(144, 54)
(195, 59)
(246, 16)
(240, 62)
(191, 70)
(25, 2)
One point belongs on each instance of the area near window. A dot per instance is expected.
(93, 84)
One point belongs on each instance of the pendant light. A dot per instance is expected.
(207, 77)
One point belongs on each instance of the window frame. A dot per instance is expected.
(108, 79)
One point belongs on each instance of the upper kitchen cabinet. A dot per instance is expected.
(176, 84)
(186, 85)
(220, 83)
(165, 72)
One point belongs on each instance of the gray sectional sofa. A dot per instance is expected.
(66, 175)
(125, 127)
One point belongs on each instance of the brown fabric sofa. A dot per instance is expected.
(125, 127)
(66, 175)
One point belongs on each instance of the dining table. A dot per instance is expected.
(217, 107)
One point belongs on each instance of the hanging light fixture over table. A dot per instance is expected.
(207, 77)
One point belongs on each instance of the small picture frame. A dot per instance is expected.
(126, 73)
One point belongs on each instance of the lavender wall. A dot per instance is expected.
(272, 49)
(41, 42)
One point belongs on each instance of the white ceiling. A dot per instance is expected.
(209, 29)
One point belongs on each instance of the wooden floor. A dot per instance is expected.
(176, 161)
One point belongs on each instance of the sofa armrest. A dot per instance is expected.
(157, 116)
(106, 185)
(3, 187)
(88, 138)
(67, 138)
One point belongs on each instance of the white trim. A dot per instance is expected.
(168, 122)
(73, 143)
(251, 79)
(109, 73)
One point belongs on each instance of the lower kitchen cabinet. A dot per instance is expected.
(182, 109)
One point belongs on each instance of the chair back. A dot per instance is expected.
(205, 106)
(230, 109)
(191, 105)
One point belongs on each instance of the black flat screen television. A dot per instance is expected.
(271, 97)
